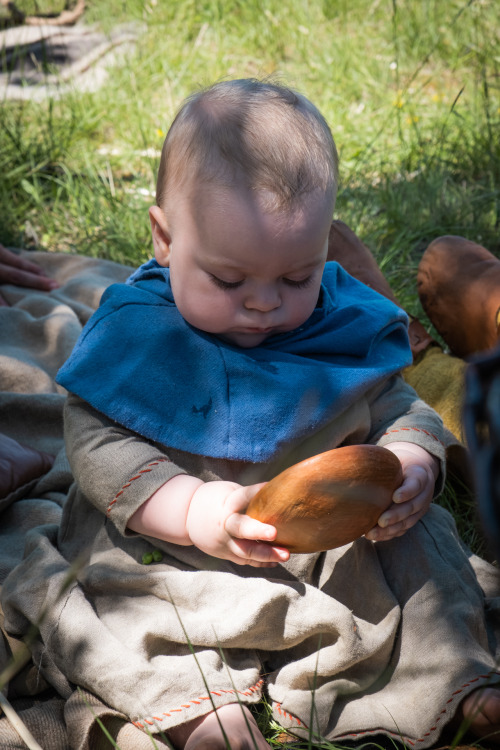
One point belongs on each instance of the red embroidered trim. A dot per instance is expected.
(414, 429)
(197, 701)
(132, 479)
(289, 716)
(436, 721)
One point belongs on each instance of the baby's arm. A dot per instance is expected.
(140, 489)
(116, 470)
(209, 515)
(404, 424)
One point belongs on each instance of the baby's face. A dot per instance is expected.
(241, 273)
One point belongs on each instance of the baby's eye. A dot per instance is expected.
(225, 284)
(298, 284)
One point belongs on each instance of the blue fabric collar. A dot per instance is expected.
(138, 362)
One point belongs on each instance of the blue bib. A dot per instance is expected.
(138, 362)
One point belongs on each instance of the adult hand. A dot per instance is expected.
(15, 269)
(412, 499)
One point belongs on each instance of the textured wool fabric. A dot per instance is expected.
(37, 333)
(439, 379)
(44, 719)
(142, 365)
(407, 627)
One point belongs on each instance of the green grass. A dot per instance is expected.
(409, 87)
(410, 91)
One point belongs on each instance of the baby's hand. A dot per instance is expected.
(217, 525)
(412, 499)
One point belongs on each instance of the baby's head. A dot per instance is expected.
(245, 196)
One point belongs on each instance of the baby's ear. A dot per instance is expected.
(161, 235)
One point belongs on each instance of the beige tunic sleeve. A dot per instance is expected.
(399, 415)
(116, 469)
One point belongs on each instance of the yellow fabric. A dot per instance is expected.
(439, 380)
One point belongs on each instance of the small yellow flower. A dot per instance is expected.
(436, 98)
(412, 119)
(160, 133)
(399, 102)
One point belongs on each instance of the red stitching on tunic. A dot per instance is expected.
(406, 740)
(132, 479)
(414, 429)
(197, 701)
(289, 716)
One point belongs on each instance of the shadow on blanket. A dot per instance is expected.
(38, 331)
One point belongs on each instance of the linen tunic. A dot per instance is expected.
(368, 638)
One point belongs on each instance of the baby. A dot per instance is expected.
(236, 352)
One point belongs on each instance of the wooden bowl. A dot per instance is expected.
(330, 499)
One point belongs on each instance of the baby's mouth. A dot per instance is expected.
(258, 330)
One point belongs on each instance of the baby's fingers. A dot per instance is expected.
(414, 483)
(247, 537)
(397, 514)
(398, 528)
(241, 526)
(257, 554)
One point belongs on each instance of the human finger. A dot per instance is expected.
(257, 554)
(241, 526)
(19, 277)
(239, 500)
(398, 512)
(18, 261)
(379, 534)
(416, 479)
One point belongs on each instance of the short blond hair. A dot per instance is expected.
(259, 132)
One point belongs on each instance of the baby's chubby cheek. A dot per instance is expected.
(205, 311)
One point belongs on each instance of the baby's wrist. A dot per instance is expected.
(164, 514)
(418, 452)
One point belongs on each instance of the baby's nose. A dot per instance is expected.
(263, 299)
